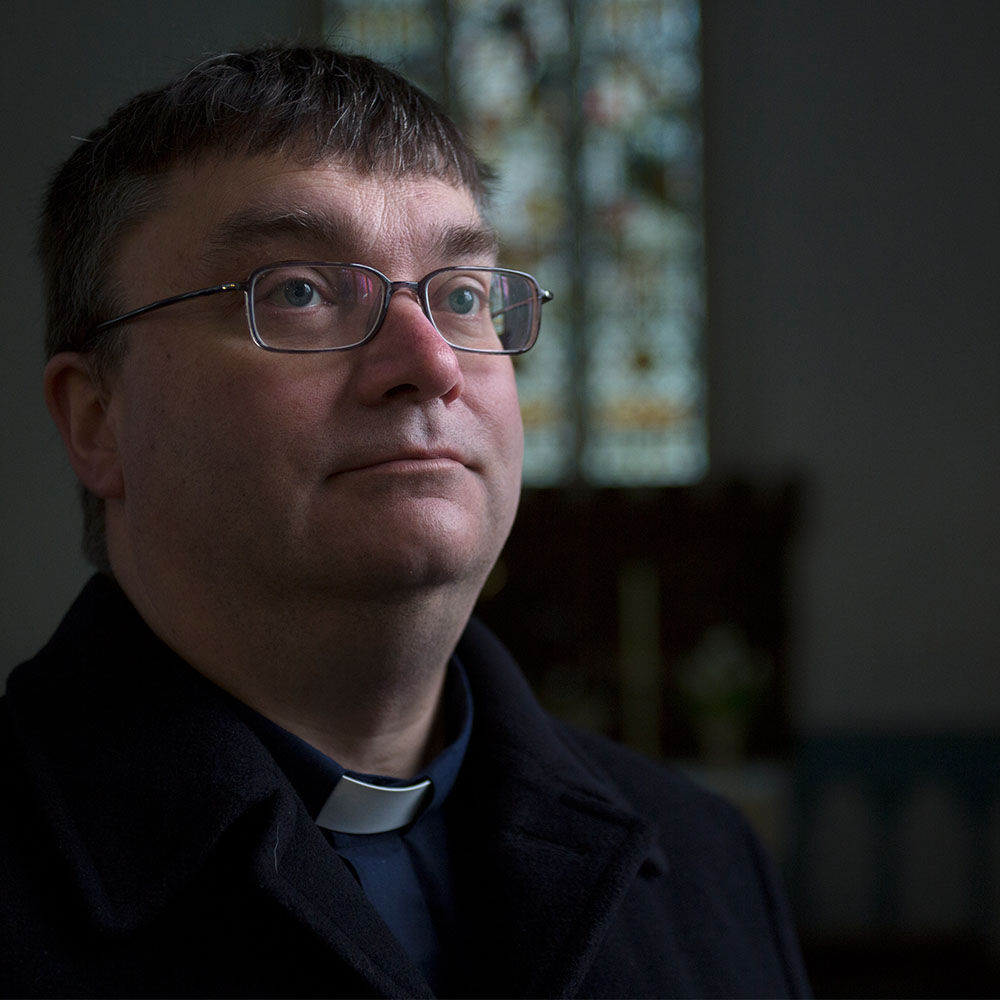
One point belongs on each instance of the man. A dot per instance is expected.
(267, 752)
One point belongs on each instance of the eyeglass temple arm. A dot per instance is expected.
(232, 286)
(543, 297)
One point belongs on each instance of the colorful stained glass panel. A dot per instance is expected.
(589, 111)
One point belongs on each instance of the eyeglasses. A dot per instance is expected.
(305, 307)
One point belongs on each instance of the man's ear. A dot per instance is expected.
(79, 406)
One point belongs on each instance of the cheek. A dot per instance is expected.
(501, 414)
(188, 428)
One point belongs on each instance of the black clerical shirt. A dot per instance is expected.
(406, 873)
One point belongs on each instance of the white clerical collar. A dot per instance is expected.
(355, 806)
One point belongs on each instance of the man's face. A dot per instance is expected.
(370, 472)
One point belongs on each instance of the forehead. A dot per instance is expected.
(217, 215)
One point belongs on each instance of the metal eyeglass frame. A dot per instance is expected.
(419, 289)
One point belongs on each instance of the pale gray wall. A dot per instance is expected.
(853, 164)
(854, 226)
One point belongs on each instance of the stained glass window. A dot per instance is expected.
(589, 111)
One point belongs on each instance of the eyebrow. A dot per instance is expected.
(247, 229)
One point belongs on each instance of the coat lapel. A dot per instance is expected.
(293, 863)
(552, 847)
(113, 727)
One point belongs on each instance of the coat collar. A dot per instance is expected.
(143, 769)
(569, 846)
(114, 725)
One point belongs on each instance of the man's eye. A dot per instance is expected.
(298, 292)
(463, 301)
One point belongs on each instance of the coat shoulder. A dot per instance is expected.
(652, 787)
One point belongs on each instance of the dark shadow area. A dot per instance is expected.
(900, 966)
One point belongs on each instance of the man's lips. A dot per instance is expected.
(405, 460)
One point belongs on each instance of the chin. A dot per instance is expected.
(406, 543)
(430, 566)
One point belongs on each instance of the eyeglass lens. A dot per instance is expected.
(309, 307)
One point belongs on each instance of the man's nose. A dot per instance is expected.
(407, 356)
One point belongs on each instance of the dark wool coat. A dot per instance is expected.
(151, 846)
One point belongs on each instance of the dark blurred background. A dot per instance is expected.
(842, 550)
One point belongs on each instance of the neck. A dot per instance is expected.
(361, 681)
